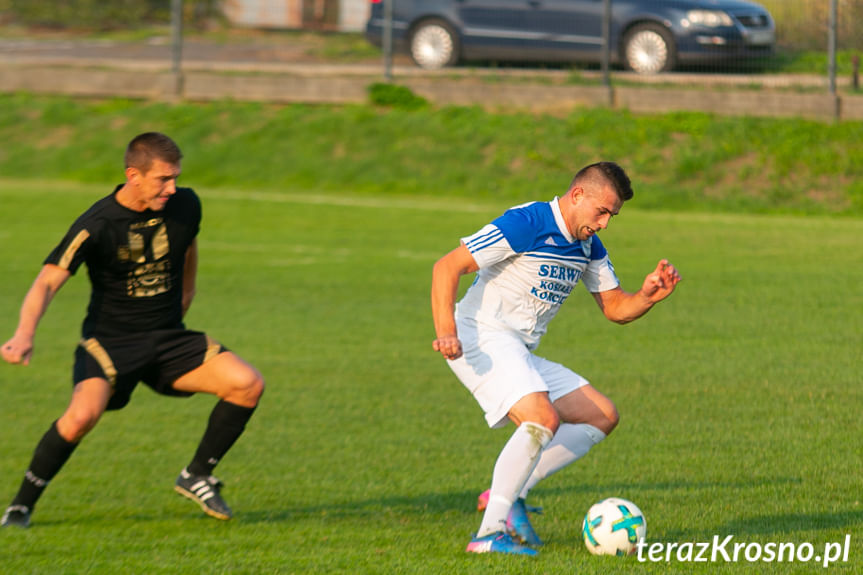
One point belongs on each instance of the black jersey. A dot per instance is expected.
(135, 262)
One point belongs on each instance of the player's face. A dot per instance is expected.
(155, 187)
(593, 210)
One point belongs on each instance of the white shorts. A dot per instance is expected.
(498, 370)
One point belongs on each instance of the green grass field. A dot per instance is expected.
(740, 396)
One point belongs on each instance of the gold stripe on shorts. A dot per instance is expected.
(70, 252)
(95, 349)
(213, 348)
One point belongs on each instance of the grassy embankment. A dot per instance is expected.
(681, 161)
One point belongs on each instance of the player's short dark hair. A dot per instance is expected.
(606, 172)
(149, 146)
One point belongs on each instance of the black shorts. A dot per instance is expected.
(158, 358)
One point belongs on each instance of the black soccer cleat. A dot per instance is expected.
(204, 489)
(16, 515)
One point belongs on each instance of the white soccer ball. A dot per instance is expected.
(614, 526)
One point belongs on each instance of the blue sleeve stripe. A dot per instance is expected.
(484, 240)
(494, 231)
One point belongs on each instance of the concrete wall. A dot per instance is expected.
(316, 84)
(816, 106)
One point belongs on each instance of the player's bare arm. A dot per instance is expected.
(445, 278)
(622, 307)
(190, 274)
(19, 348)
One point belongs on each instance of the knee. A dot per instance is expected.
(256, 389)
(536, 408)
(611, 419)
(552, 421)
(76, 423)
(247, 389)
(548, 418)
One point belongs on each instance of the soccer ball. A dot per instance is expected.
(613, 527)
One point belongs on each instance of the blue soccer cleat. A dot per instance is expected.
(498, 543)
(518, 524)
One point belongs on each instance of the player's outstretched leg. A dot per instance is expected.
(50, 455)
(226, 424)
(239, 386)
(513, 466)
(498, 543)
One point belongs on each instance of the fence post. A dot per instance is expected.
(831, 56)
(831, 46)
(855, 72)
(606, 49)
(177, 46)
(388, 40)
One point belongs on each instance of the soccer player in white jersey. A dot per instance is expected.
(527, 262)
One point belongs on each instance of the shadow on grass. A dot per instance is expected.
(684, 485)
(391, 507)
(384, 506)
(464, 502)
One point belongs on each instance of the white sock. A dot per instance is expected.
(514, 465)
(571, 442)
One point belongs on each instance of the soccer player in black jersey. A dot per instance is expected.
(139, 244)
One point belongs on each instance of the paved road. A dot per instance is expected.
(157, 52)
(157, 48)
(292, 56)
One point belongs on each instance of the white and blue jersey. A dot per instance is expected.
(529, 263)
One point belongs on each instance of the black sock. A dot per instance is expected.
(50, 455)
(227, 422)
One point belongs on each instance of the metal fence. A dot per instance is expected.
(822, 37)
(834, 27)
(647, 36)
(805, 24)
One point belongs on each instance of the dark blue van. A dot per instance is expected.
(647, 36)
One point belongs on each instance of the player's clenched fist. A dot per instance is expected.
(14, 352)
(449, 346)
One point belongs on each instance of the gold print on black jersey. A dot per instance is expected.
(149, 279)
(160, 243)
(136, 247)
(148, 248)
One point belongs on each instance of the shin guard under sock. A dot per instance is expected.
(513, 467)
(226, 424)
(50, 455)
